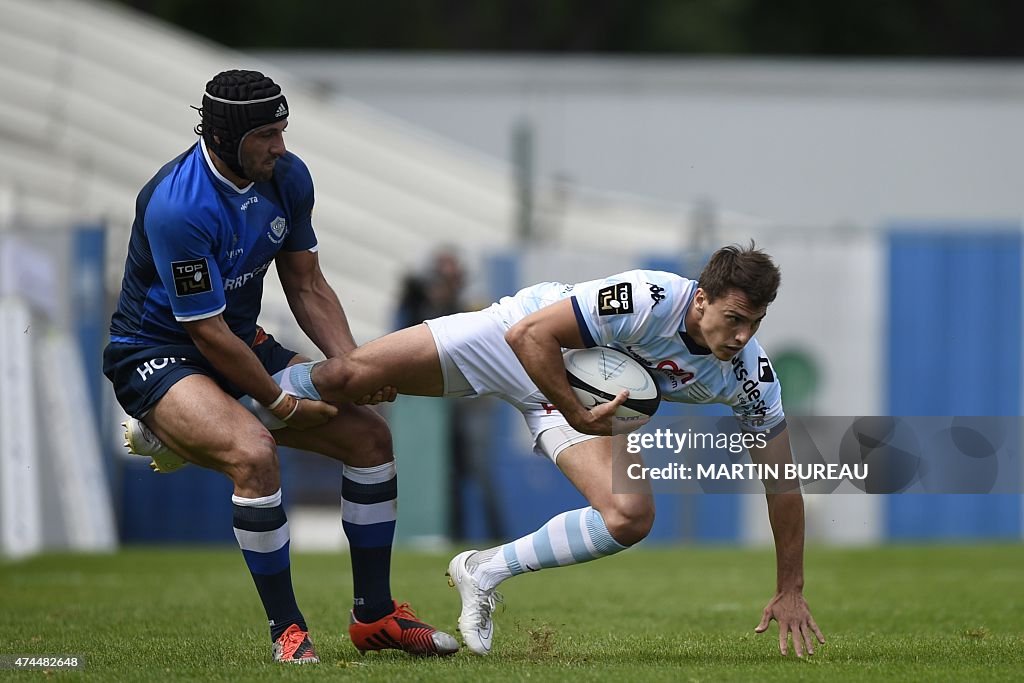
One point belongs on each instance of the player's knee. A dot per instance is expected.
(629, 524)
(376, 439)
(362, 439)
(251, 461)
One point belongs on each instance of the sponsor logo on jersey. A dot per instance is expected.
(678, 374)
(191, 277)
(242, 280)
(147, 369)
(764, 370)
(638, 358)
(278, 227)
(749, 396)
(615, 299)
(249, 202)
(739, 368)
(657, 293)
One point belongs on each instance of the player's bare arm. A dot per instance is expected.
(538, 340)
(786, 514)
(314, 303)
(318, 311)
(236, 361)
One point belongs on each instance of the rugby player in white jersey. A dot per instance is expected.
(697, 337)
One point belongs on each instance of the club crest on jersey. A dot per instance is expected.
(615, 299)
(699, 392)
(278, 227)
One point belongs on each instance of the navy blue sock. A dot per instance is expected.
(369, 507)
(262, 532)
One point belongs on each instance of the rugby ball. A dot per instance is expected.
(597, 374)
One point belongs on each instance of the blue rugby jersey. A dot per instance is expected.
(201, 246)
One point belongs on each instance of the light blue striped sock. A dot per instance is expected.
(297, 380)
(570, 538)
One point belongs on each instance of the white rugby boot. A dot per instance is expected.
(139, 440)
(475, 621)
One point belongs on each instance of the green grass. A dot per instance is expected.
(680, 614)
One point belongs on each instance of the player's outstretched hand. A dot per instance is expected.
(383, 394)
(601, 421)
(310, 413)
(794, 616)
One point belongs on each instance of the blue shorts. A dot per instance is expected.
(141, 375)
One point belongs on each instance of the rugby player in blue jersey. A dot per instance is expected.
(190, 365)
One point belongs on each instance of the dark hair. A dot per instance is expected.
(747, 269)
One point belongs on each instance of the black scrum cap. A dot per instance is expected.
(236, 103)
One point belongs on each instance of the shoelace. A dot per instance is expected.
(405, 611)
(291, 640)
(487, 601)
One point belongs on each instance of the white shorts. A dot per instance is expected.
(474, 345)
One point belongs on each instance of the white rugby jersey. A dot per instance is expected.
(642, 312)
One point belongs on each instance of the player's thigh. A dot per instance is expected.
(406, 359)
(197, 419)
(598, 469)
(357, 436)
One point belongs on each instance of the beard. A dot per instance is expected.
(258, 173)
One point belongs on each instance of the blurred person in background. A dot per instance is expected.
(435, 293)
(189, 363)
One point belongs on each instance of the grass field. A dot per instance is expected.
(680, 614)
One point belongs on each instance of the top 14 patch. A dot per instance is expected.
(191, 277)
(615, 299)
